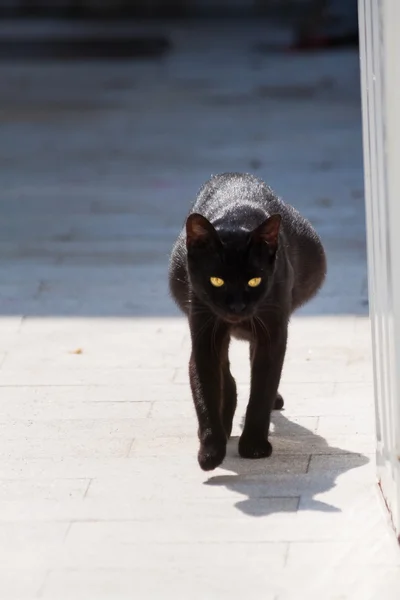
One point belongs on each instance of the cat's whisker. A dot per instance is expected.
(199, 311)
(253, 328)
(269, 338)
(214, 337)
(206, 324)
(263, 327)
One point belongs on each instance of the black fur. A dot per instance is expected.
(238, 230)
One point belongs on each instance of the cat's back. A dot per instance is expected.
(242, 201)
(231, 200)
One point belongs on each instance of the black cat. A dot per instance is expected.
(243, 263)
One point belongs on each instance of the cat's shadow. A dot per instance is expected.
(302, 466)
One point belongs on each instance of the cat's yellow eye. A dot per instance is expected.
(254, 282)
(217, 281)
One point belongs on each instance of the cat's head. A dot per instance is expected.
(233, 271)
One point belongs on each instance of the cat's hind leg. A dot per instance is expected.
(279, 402)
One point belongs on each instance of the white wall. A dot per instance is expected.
(379, 24)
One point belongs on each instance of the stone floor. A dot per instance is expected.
(101, 496)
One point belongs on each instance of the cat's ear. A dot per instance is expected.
(199, 230)
(268, 231)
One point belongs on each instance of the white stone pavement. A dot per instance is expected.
(101, 496)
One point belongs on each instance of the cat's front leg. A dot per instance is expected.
(205, 373)
(279, 401)
(229, 396)
(267, 363)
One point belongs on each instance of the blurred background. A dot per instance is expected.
(113, 113)
(316, 22)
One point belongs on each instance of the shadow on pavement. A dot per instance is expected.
(275, 484)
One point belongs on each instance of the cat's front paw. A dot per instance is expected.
(211, 454)
(254, 446)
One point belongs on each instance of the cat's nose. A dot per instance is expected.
(236, 308)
